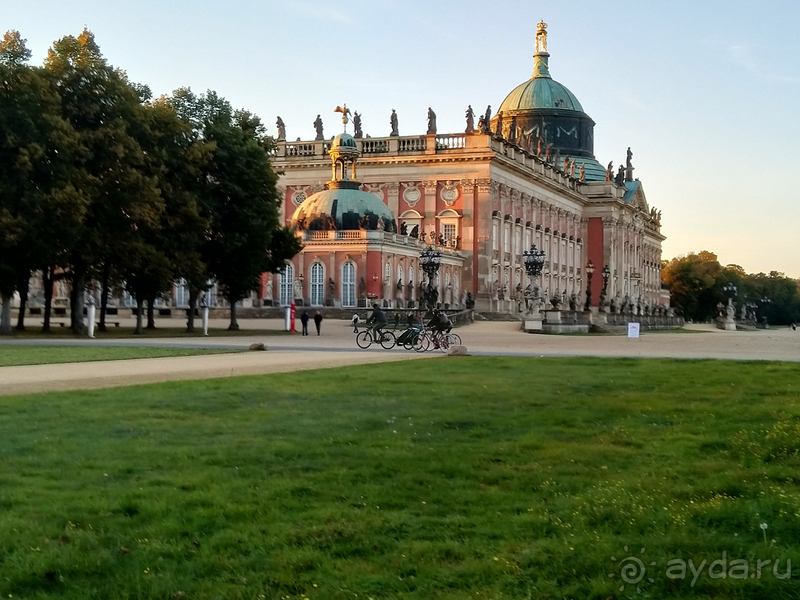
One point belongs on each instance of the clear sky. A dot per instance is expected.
(706, 93)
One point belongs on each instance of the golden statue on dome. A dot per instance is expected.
(541, 36)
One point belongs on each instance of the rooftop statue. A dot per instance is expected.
(582, 173)
(512, 130)
(357, 133)
(499, 128)
(541, 36)
(318, 127)
(431, 121)
(610, 171)
(393, 123)
(470, 120)
(281, 130)
(487, 118)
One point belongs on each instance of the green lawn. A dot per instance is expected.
(440, 479)
(12, 355)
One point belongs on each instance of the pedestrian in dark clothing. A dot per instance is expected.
(397, 320)
(304, 321)
(317, 321)
(355, 321)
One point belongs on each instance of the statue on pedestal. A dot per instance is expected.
(487, 118)
(331, 288)
(362, 288)
(470, 120)
(357, 133)
(431, 121)
(499, 125)
(610, 171)
(268, 290)
(318, 128)
(298, 290)
(573, 301)
(415, 231)
(281, 130)
(393, 123)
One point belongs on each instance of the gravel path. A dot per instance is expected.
(336, 348)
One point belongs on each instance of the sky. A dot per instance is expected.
(706, 93)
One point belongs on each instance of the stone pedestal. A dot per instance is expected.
(532, 322)
(552, 317)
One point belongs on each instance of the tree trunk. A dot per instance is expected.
(5, 314)
(47, 282)
(192, 304)
(25, 284)
(139, 315)
(76, 300)
(151, 321)
(104, 297)
(234, 326)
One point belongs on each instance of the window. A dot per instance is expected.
(449, 231)
(506, 239)
(399, 273)
(348, 284)
(517, 237)
(287, 281)
(387, 272)
(181, 293)
(317, 284)
(495, 236)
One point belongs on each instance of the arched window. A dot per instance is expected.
(287, 281)
(387, 271)
(400, 273)
(348, 284)
(317, 284)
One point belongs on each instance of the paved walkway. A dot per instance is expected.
(336, 347)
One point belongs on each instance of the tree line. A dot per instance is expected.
(696, 283)
(101, 182)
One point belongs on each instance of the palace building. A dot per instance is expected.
(525, 176)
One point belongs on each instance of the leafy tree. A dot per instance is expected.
(38, 205)
(239, 197)
(692, 283)
(103, 107)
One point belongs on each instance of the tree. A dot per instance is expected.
(38, 206)
(692, 283)
(103, 107)
(239, 196)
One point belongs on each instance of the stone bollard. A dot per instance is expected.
(457, 351)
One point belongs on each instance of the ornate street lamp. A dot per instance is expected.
(533, 260)
(730, 290)
(430, 260)
(589, 273)
(606, 273)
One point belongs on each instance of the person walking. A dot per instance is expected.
(354, 321)
(304, 321)
(317, 321)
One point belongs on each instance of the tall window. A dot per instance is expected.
(348, 284)
(506, 239)
(517, 236)
(400, 273)
(317, 284)
(387, 271)
(181, 293)
(449, 231)
(495, 236)
(287, 281)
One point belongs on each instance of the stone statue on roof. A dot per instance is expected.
(393, 123)
(499, 128)
(487, 118)
(281, 129)
(431, 121)
(470, 120)
(318, 128)
(610, 171)
(357, 133)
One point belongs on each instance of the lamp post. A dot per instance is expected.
(606, 273)
(430, 260)
(730, 291)
(589, 273)
(534, 264)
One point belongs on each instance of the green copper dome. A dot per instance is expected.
(344, 206)
(541, 91)
(343, 140)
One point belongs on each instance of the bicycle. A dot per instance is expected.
(366, 338)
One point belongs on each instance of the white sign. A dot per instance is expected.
(633, 330)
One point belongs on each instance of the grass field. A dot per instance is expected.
(14, 355)
(449, 478)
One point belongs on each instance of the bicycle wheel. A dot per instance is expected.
(444, 342)
(388, 340)
(455, 339)
(421, 342)
(364, 340)
(409, 343)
